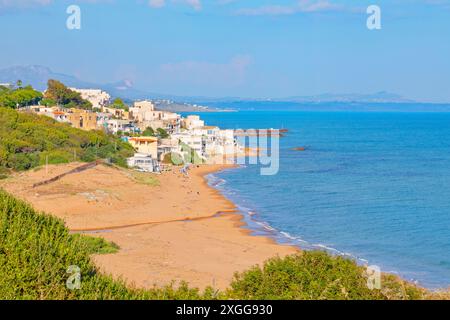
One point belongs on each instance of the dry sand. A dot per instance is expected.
(180, 229)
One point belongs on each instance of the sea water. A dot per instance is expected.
(372, 186)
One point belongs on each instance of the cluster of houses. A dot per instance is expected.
(187, 135)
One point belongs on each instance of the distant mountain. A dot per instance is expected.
(38, 76)
(378, 97)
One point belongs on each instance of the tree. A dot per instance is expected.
(162, 133)
(48, 102)
(149, 132)
(65, 97)
(119, 104)
(19, 97)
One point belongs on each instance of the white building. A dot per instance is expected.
(210, 142)
(144, 104)
(116, 125)
(167, 146)
(159, 119)
(193, 122)
(140, 109)
(143, 162)
(195, 142)
(97, 97)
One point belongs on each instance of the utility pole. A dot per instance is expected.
(46, 164)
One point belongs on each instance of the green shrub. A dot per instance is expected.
(26, 140)
(97, 245)
(315, 275)
(36, 251)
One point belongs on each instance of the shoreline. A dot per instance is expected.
(184, 229)
(260, 228)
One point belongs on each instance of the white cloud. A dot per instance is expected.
(195, 4)
(29, 4)
(301, 6)
(7, 4)
(156, 3)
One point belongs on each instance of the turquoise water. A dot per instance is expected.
(373, 186)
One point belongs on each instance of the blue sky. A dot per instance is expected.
(247, 48)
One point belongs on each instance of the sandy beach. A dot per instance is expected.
(169, 227)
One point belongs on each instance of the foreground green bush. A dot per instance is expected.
(316, 275)
(36, 251)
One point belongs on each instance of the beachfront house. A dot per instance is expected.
(193, 141)
(145, 145)
(168, 146)
(143, 162)
(219, 142)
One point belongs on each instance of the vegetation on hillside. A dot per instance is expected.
(58, 94)
(19, 97)
(160, 133)
(28, 140)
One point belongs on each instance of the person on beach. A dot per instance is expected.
(185, 169)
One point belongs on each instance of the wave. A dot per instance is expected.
(260, 227)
